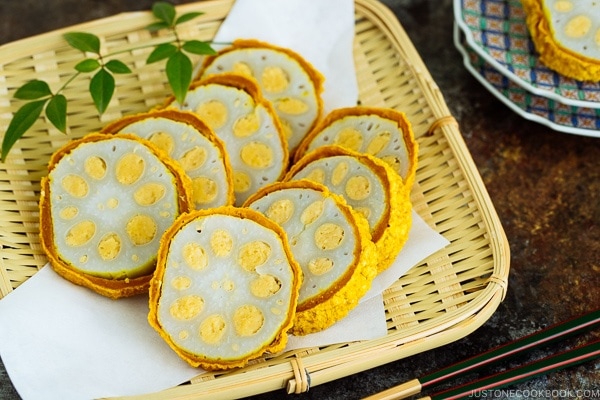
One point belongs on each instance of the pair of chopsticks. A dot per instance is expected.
(546, 365)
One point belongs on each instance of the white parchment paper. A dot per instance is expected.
(66, 342)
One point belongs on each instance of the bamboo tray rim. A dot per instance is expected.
(300, 369)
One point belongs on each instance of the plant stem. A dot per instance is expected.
(71, 79)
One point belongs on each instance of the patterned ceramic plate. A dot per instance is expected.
(556, 115)
(497, 31)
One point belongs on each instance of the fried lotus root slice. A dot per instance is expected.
(566, 34)
(246, 122)
(190, 142)
(331, 243)
(104, 205)
(370, 186)
(290, 82)
(383, 132)
(225, 288)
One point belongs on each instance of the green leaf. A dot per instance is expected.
(87, 65)
(157, 26)
(164, 12)
(102, 88)
(118, 67)
(32, 90)
(23, 119)
(161, 52)
(198, 47)
(187, 17)
(83, 41)
(56, 111)
(179, 73)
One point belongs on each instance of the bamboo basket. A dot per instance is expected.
(446, 297)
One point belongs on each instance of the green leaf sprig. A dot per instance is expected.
(102, 85)
(179, 66)
(103, 67)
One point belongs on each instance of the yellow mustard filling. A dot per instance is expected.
(195, 256)
(193, 158)
(129, 168)
(214, 113)
(248, 320)
(149, 193)
(163, 141)
(75, 185)
(141, 229)
(253, 255)
(95, 167)
(280, 211)
(221, 243)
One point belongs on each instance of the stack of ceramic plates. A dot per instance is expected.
(494, 40)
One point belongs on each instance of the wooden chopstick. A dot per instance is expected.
(545, 336)
(552, 363)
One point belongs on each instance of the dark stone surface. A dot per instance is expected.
(545, 186)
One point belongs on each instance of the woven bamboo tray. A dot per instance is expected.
(443, 299)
